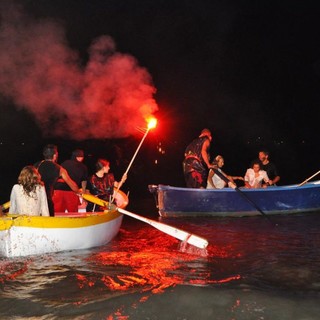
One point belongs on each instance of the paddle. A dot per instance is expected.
(233, 186)
(305, 181)
(172, 231)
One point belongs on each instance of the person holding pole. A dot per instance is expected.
(102, 182)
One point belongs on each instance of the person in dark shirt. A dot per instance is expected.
(102, 182)
(50, 171)
(269, 167)
(196, 163)
(63, 197)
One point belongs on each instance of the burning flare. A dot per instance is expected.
(152, 123)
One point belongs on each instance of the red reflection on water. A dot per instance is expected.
(11, 270)
(152, 271)
(84, 281)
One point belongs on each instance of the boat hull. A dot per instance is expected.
(187, 202)
(31, 235)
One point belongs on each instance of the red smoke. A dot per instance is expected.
(109, 97)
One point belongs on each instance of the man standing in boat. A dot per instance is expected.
(63, 197)
(196, 163)
(50, 171)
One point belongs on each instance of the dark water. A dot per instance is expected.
(251, 270)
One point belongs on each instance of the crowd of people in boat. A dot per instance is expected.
(46, 187)
(200, 172)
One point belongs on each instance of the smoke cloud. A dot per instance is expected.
(109, 97)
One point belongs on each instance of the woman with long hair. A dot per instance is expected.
(28, 196)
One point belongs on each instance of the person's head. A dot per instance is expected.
(50, 152)
(29, 178)
(256, 166)
(78, 155)
(206, 133)
(219, 161)
(103, 165)
(263, 155)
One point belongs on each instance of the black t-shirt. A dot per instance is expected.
(77, 171)
(271, 170)
(50, 172)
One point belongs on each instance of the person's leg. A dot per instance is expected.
(71, 201)
(58, 201)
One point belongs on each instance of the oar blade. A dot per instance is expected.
(95, 200)
(172, 231)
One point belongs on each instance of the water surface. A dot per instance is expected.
(252, 269)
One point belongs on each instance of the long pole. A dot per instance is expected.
(305, 181)
(134, 156)
(152, 123)
(124, 176)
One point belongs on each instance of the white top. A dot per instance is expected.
(34, 205)
(256, 182)
(217, 182)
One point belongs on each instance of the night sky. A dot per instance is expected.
(247, 70)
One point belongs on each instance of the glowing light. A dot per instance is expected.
(152, 123)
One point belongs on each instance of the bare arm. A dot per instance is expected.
(65, 176)
(204, 152)
(211, 173)
(84, 186)
(275, 180)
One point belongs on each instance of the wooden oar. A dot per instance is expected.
(172, 231)
(225, 178)
(305, 181)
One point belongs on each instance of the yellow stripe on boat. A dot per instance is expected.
(87, 219)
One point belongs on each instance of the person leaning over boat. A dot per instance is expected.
(196, 163)
(269, 167)
(215, 181)
(50, 172)
(29, 195)
(255, 177)
(63, 196)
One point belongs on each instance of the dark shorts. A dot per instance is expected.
(195, 174)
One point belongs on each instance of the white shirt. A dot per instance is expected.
(217, 182)
(34, 205)
(256, 182)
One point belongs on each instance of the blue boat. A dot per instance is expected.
(186, 202)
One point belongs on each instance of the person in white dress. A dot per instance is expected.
(28, 196)
(255, 177)
(215, 181)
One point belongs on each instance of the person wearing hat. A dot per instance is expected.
(196, 163)
(63, 197)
